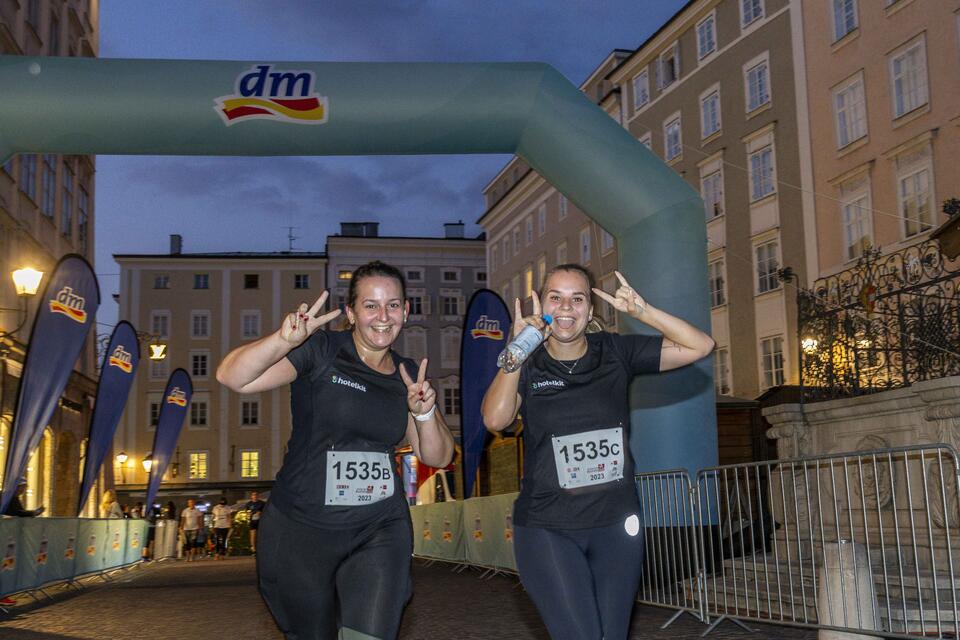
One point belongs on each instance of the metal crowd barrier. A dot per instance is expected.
(858, 542)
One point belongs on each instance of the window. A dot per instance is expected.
(160, 324)
(201, 281)
(199, 363)
(750, 10)
(159, 369)
(706, 37)
(49, 201)
(606, 311)
(762, 182)
(415, 343)
(250, 412)
(161, 281)
(83, 202)
(541, 270)
(450, 305)
(856, 227)
(198, 465)
(450, 347)
(28, 175)
(528, 281)
(585, 245)
(844, 17)
(669, 66)
(251, 281)
(529, 235)
(606, 242)
(480, 276)
(414, 275)
(562, 253)
(66, 206)
(908, 76)
(505, 245)
(154, 414)
(672, 143)
(711, 188)
(641, 90)
(451, 275)
(301, 281)
(451, 401)
(505, 291)
(542, 220)
(715, 273)
(758, 86)
(54, 40)
(33, 14)
(710, 114)
(515, 284)
(516, 240)
(419, 302)
(850, 110)
(250, 324)
(199, 324)
(562, 208)
(771, 350)
(250, 464)
(768, 263)
(344, 274)
(721, 372)
(494, 257)
(198, 413)
(647, 140)
(915, 206)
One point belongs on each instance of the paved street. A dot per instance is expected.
(179, 600)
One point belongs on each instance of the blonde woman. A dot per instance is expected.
(109, 507)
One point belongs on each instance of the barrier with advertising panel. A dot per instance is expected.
(488, 527)
(438, 531)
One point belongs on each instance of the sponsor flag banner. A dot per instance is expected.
(173, 410)
(65, 314)
(116, 377)
(485, 333)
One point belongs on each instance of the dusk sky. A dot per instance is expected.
(245, 204)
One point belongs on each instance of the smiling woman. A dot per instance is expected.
(336, 535)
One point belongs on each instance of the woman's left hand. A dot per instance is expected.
(421, 397)
(625, 300)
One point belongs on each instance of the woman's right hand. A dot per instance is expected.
(302, 323)
(536, 319)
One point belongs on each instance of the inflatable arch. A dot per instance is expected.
(171, 107)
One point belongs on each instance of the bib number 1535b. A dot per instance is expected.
(588, 458)
(358, 477)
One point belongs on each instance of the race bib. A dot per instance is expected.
(588, 458)
(358, 477)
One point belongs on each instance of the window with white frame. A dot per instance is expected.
(672, 141)
(450, 347)
(606, 242)
(250, 324)
(451, 399)
(494, 257)
(762, 180)
(768, 263)
(585, 245)
(415, 343)
(161, 281)
(915, 199)
(198, 413)
(750, 10)
(757, 81)
(159, 369)
(199, 364)
(154, 413)
(198, 464)
(419, 302)
(480, 276)
(562, 207)
(647, 140)
(413, 274)
(250, 463)
(718, 289)
(160, 324)
(562, 253)
(857, 235)
(542, 220)
(528, 281)
(541, 270)
(908, 78)
(641, 90)
(301, 281)
(669, 66)
(710, 114)
(201, 281)
(529, 234)
(516, 240)
(844, 17)
(771, 354)
(249, 412)
(450, 275)
(706, 36)
(850, 111)
(199, 324)
(505, 247)
(721, 371)
(711, 188)
(450, 302)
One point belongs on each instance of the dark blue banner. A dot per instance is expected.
(116, 376)
(67, 310)
(485, 333)
(173, 409)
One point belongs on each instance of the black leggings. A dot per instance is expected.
(314, 580)
(221, 536)
(583, 581)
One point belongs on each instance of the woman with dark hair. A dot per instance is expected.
(576, 520)
(335, 540)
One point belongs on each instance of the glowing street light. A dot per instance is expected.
(148, 462)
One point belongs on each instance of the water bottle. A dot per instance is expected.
(520, 348)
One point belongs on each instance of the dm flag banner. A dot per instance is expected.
(66, 312)
(173, 409)
(116, 376)
(485, 334)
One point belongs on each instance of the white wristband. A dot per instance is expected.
(423, 417)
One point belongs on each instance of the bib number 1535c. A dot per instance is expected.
(358, 477)
(588, 458)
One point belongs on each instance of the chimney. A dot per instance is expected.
(453, 229)
(176, 244)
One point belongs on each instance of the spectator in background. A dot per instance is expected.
(222, 517)
(191, 519)
(254, 509)
(136, 511)
(15, 508)
(109, 507)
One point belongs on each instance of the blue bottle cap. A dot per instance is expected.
(548, 319)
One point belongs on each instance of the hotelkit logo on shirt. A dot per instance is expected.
(336, 379)
(546, 384)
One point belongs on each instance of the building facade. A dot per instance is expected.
(46, 211)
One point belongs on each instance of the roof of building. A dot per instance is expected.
(234, 255)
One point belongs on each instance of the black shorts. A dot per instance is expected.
(190, 538)
(254, 524)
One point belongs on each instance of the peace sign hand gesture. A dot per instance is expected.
(625, 300)
(520, 321)
(421, 397)
(301, 324)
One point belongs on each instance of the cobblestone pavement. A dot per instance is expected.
(179, 600)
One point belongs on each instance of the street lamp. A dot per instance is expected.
(148, 462)
(121, 460)
(26, 281)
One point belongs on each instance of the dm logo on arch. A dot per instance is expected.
(267, 93)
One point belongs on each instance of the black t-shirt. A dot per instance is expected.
(339, 403)
(558, 403)
(255, 507)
